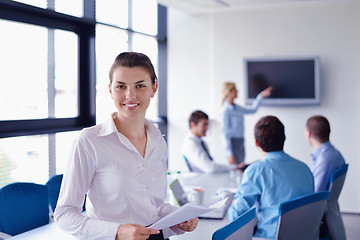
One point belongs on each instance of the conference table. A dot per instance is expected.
(211, 183)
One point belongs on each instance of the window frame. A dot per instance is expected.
(85, 29)
(162, 74)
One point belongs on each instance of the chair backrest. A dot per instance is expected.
(337, 180)
(241, 228)
(54, 184)
(300, 218)
(187, 163)
(23, 206)
(333, 215)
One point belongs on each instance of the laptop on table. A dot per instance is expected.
(181, 198)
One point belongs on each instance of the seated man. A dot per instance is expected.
(269, 182)
(195, 150)
(326, 159)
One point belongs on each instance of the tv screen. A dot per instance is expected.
(295, 81)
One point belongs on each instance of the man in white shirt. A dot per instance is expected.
(195, 151)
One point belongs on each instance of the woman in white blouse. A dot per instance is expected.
(120, 165)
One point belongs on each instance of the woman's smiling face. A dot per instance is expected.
(131, 90)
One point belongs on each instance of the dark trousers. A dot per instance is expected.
(159, 236)
(324, 230)
(237, 146)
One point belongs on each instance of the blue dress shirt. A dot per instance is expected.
(233, 121)
(268, 183)
(326, 159)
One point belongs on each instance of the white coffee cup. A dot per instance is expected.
(196, 195)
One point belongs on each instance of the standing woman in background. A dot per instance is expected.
(120, 165)
(233, 121)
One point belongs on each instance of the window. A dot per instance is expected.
(23, 54)
(38, 105)
(48, 90)
(47, 86)
(64, 142)
(115, 34)
(66, 72)
(24, 159)
(24, 89)
(113, 12)
(144, 16)
(76, 8)
(36, 3)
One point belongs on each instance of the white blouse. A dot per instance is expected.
(121, 186)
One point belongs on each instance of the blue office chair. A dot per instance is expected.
(241, 228)
(23, 206)
(300, 218)
(187, 163)
(332, 213)
(54, 184)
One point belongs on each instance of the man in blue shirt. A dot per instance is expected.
(269, 182)
(326, 159)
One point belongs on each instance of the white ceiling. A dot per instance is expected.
(199, 6)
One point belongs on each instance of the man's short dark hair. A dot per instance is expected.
(319, 127)
(196, 116)
(270, 134)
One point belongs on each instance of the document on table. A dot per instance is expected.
(186, 212)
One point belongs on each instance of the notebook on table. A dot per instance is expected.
(182, 199)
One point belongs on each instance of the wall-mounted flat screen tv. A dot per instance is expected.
(296, 81)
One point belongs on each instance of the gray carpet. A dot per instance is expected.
(352, 225)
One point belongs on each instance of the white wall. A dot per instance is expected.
(189, 76)
(206, 50)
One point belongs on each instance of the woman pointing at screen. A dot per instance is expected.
(233, 121)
